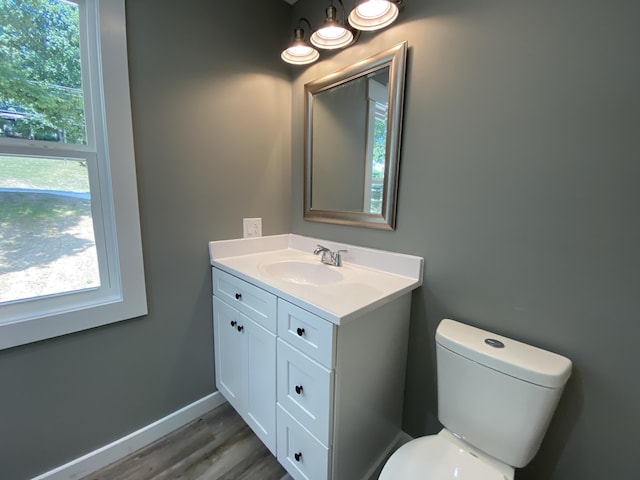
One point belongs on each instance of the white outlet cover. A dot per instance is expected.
(251, 227)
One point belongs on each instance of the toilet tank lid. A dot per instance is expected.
(517, 359)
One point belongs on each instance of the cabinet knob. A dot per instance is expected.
(238, 296)
(240, 328)
(297, 456)
(298, 389)
(300, 331)
(233, 323)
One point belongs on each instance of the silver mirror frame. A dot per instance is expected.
(395, 59)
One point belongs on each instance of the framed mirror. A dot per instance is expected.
(353, 124)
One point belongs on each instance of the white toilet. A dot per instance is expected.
(496, 397)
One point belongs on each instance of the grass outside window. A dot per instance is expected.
(47, 242)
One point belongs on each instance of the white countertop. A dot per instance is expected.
(370, 277)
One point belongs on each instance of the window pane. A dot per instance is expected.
(40, 72)
(47, 242)
(379, 157)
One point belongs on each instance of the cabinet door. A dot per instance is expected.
(261, 385)
(230, 355)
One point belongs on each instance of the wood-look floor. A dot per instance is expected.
(217, 446)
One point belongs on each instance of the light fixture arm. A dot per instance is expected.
(298, 32)
(304, 19)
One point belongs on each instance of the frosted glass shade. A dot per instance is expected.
(373, 15)
(300, 52)
(332, 36)
(300, 55)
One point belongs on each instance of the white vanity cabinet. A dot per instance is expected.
(313, 356)
(244, 326)
(331, 394)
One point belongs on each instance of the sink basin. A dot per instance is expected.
(303, 273)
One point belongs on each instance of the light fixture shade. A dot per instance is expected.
(332, 34)
(373, 14)
(300, 52)
(295, 58)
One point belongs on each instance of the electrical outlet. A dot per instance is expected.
(251, 227)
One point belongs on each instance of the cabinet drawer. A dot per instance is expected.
(254, 302)
(307, 332)
(305, 390)
(301, 455)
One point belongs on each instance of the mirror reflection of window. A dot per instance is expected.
(376, 151)
(351, 119)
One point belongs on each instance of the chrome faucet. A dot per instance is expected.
(329, 257)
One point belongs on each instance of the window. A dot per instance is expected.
(377, 120)
(70, 249)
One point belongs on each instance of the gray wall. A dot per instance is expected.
(519, 187)
(211, 115)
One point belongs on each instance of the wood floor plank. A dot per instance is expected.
(218, 445)
(155, 458)
(188, 462)
(260, 467)
(224, 459)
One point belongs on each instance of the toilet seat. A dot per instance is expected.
(443, 457)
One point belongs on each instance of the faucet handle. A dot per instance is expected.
(320, 249)
(337, 257)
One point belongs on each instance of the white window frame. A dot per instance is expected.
(112, 177)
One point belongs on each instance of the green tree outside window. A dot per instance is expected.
(40, 73)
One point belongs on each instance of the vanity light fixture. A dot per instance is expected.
(333, 34)
(368, 15)
(373, 14)
(300, 52)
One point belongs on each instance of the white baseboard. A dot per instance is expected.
(122, 447)
(374, 471)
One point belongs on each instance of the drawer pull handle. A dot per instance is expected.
(233, 323)
(297, 456)
(240, 328)
(238, 296)
(300, 331)
(298, 389)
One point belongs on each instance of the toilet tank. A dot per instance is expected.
(496, 393)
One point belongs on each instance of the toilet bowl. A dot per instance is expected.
(443, 457)
(496, 397)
